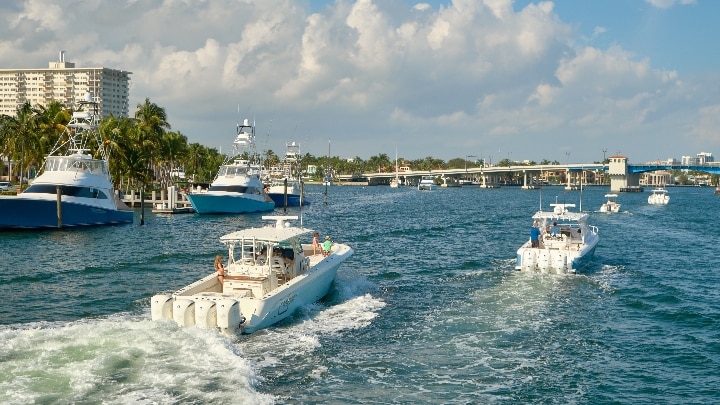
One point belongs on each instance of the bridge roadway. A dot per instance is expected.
(475, 172)
(495, 172)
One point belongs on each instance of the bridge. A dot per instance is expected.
(622, 174)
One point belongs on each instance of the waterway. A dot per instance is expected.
(428, 310)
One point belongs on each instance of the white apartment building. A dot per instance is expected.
(65, 83)
(700, 159)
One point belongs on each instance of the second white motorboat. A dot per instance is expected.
(611, 205)
(427, 183)
(659, 196)
(269, 274)
(566, 242)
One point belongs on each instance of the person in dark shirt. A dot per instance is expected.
(535, 235)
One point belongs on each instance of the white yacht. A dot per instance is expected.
(237, 188)
(285, 188)
(75, 187)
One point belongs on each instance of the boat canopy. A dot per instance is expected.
(278, 232)
(560, 212)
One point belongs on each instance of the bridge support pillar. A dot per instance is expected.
(619, 176)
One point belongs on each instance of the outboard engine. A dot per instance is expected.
(184, 312)
(559, 262)
(229, 317)
(161, 306)
(529, 260)
(543, 262)
(206, 314)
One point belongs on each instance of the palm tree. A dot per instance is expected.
(151, 122)
(51, 122)
(173, 148)
(117, 137)
(21, 129)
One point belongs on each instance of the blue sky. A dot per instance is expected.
(524, 80)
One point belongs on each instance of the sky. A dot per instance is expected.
(566, 80)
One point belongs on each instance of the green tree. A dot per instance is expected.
(150, 128)
(21, 132)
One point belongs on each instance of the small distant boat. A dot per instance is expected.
(563, 248)
(659, 196)
(74, 188)
(177, 174)
(257, 292)
(395, 182)
(287, 188)
(237, 188)
(427, 183)
(610, 206)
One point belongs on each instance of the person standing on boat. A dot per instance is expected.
(220, 268)
(316, 243)
(535, 235)
(326, 246)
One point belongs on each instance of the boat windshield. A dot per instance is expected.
(230, 171)
(75, 163)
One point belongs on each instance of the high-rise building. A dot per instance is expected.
(65, 83)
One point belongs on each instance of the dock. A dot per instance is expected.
(170, 201)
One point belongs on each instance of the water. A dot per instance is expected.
(428, 310)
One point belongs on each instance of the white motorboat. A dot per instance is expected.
(256, 292)
(237, 188)
(611, 205)
(659, 196)
(567, 242)
(75, 188)
(395, 182)
(427, 183)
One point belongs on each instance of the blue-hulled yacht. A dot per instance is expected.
(73, 188)
(283, 184)
(237, 188)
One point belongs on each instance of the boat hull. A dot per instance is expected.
(301, 291)
(556, 261)
(293, 200)
(229, 203)
(24, 213)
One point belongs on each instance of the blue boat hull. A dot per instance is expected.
(293, 200)
(19, 213)
(228, 204)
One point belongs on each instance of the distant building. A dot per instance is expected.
(65, 83)
(658, 178)
(699, 159)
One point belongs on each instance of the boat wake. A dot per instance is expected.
(126, 358)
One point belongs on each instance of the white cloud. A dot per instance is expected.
(371, 75)
(669, 3)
